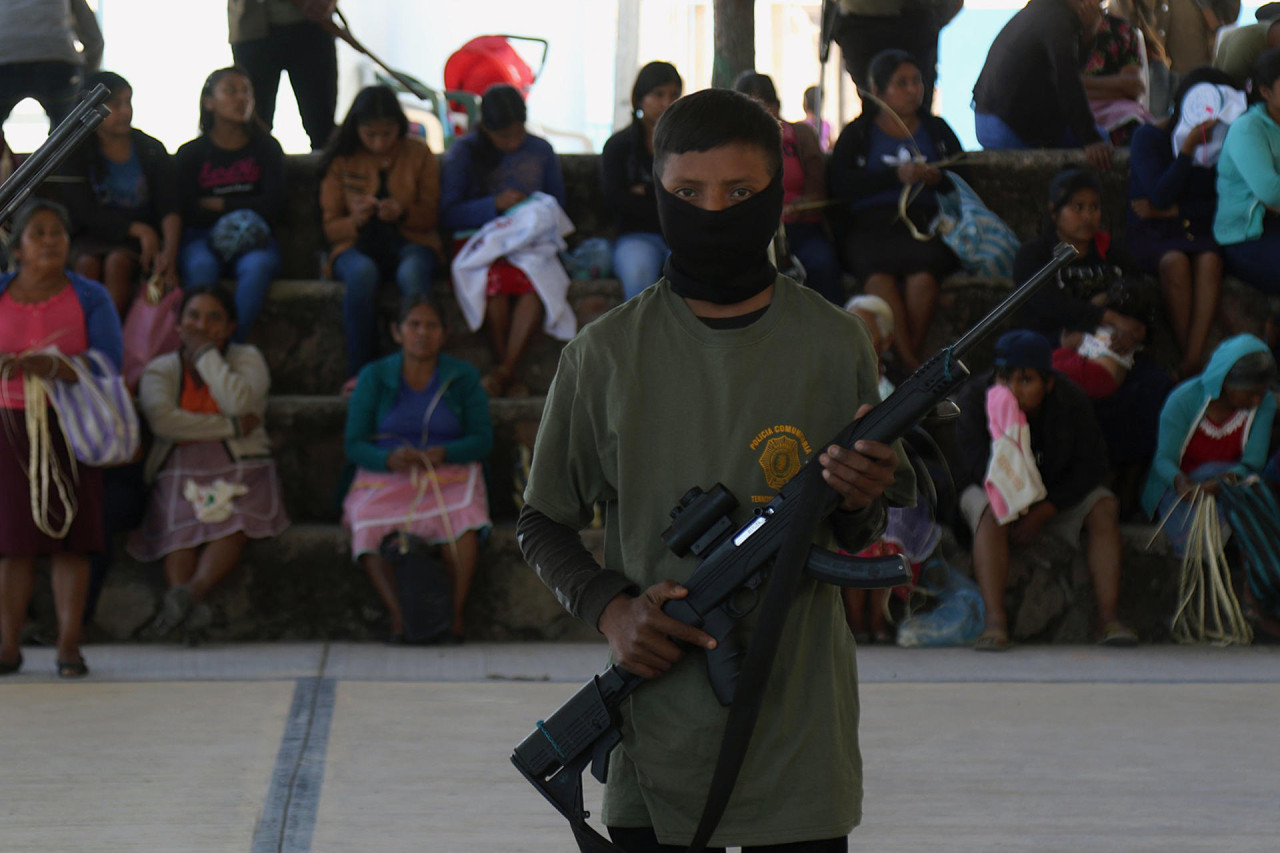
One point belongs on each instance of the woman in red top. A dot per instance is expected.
(44, 306)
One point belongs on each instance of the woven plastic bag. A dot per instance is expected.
(96, 413)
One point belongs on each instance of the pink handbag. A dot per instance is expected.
(150, 330)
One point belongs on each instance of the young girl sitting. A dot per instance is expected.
(379, 199)
(231, 182)
(123, 201)
(486, 173)
(215, 484)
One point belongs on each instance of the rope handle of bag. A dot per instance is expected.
(1204, 588)
(428, 478)
(43, 469)
(910, 192)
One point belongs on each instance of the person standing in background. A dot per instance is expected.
(866, 27)
(271, 36)
(38, 56)
(1180, 36)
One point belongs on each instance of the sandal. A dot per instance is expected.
(7, 668)
(1117, 635)
(993, 640)
(72, 668)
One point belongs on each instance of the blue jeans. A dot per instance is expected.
(818, 257)
(638, 259)
(360, 277)
(994, 135)
(201, 267)
(1254, 261)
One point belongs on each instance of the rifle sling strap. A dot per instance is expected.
(783, 582)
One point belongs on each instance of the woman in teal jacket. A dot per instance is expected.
(1215, 425)
(418, 432)
(1247, 222)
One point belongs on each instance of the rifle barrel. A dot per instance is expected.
(1062, 253)
(63, 140)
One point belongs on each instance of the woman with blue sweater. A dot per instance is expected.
(1247, 223)
(1216, 425)
(418, 432)
(486, 173)
(44, 305)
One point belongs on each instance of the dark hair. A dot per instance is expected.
(210, 83)
(1267, 12)
(110, 79)
(715, 117)
(419, 297)
(811, 99)
(1252, 370)
(881, 70)
(1006, 371)
(23, 218)
(373, 103)
(753, 84)
(1265, 71)
(1067, 183)
(500, 108)
(219, 291)
(651, 76)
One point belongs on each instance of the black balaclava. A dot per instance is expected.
(720, 256)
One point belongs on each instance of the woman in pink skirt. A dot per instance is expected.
(44, 305)
(215, 484)
(418, 430)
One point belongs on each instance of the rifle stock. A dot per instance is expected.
(737, 557)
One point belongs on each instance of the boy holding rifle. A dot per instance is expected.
(724, 371)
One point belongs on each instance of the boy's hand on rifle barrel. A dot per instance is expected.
(641, 637)
(860, 475)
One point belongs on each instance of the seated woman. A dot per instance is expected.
(418, 417)
(804, 181)
(1063, 314)
(215, 484)
(1169, 227)
(43, 304)
(626, 180)
(877, 154)
(379, 199)
(486, 173)
(231, 183)
(123, 201)
(1112, 77)
(1214, 428)
(1247, 221)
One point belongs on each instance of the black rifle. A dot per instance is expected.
(737, 558)
(63, 139)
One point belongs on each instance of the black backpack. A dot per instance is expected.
(423, 586)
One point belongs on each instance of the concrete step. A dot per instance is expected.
(300, 333)
(303, 585)
(306, 436)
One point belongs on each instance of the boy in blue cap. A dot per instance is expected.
(1071, 456)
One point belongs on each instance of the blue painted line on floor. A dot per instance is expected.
(293, 797)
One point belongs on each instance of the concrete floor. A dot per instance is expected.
(348, 747)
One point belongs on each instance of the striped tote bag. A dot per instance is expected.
(96, 414)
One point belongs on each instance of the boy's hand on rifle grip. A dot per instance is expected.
(861, 475)
(641, 636)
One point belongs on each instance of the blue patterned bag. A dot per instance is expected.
(981, 240)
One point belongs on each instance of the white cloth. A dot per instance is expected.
(530, 236)
(1202, 102)
(1013, 481)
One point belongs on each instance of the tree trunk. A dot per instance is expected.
(735, 40)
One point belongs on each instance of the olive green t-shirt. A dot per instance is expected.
(646, 403)
(1239, 50)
